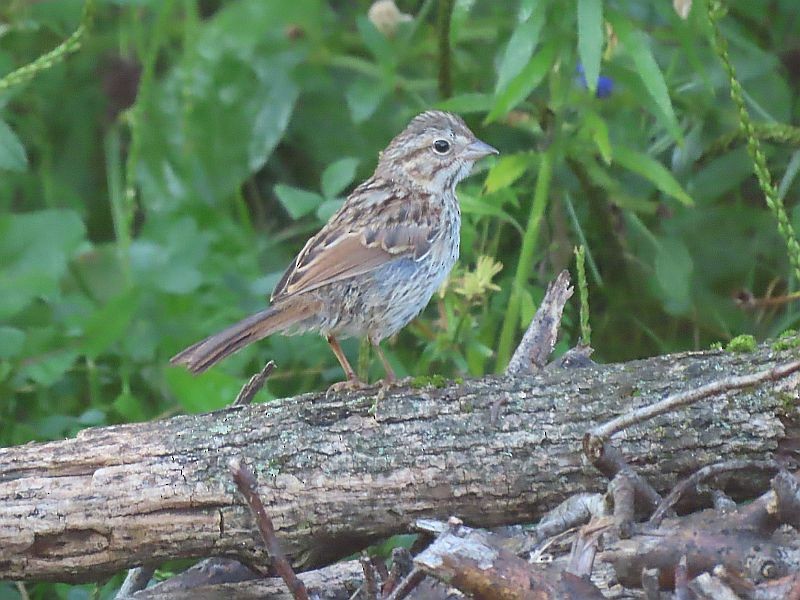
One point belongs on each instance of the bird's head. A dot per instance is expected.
(435, 151)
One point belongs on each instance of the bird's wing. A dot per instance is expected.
(349, 246)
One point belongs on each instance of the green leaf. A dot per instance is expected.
(636, 204)
(590, 39)
(653, 171)
(108, 324)
(467, 103)
(599, 132)
(327, 209)
(337, 176)
(49, 368)
(521, 45)
(11, 341)
(506, 171)
(297, 202)
(637, 46)
(92, 417)
(35, 249)
(482, 206)
(272, 118)
(673, 269)
(129, 407)
(720, 176)
(216, 116)
(527, 309)
(12, 152)
(375, 41)
(523, 84)
(169, 255)
(198, 393)
(363, 98)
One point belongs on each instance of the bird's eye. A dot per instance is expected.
(441, 146)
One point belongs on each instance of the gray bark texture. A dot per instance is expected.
(338, 472)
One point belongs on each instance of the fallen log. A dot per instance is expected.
(338, 472)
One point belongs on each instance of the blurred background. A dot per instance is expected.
(155, 183)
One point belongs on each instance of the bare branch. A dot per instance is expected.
(405, 587)
(705, 473)
(252, 387)
(540, 338)
(136, 579)
(610, 462)
(246, 482)
(688, 397)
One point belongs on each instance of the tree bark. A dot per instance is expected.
(338, 472)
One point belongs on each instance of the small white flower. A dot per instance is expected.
(682, 7)
(385, 15)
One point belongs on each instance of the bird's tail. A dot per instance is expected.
(202, 355)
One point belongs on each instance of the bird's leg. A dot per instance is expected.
(353, 382)
(390, 376)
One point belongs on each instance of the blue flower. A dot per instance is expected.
(605, 85)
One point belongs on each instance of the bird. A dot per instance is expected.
(376, 263)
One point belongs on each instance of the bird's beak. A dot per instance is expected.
(478, 149)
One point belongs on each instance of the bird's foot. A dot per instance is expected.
(348, 385)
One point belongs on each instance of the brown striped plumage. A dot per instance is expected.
(376, 263)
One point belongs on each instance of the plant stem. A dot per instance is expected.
(525, 264)
(58, 54)
(583, 289)
(776, 133)
(119, 212)
(136, 112)
(773, 200)
(443, 27)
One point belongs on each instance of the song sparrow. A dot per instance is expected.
(376, 263)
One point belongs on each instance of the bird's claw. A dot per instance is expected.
(348, 385)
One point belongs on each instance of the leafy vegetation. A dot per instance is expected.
(160, 168)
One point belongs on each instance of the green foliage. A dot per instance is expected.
(742, 343)
(161, 162)
(757, 155)
(788, 339)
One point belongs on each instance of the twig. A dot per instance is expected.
(794, 591)
(682, 580)
(786, 489)
(136, 580)
(370, 586)
(609, 461)
(407, 585)
(402, 565)
(576, 510)
(584, 548)
(252, 387)
(22, 590)
(246, 482)
(380, 567)
(622, 490)
(711, 587)
(705, 473)
(682, 399)
(722, 502)
(650, 584)
(538, 341)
